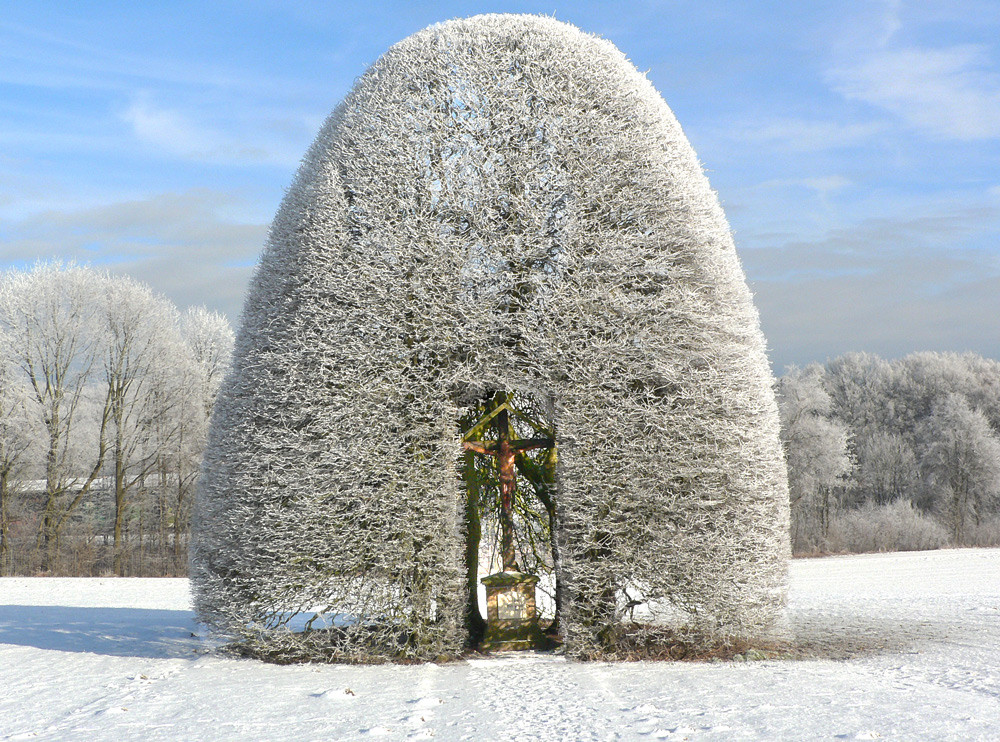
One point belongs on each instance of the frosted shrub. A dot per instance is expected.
(986, 533)
(897, 526)
(500, 203)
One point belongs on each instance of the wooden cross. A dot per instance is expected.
(505, 450)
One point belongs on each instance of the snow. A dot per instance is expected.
(889, 646)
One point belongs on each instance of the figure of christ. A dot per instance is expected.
(505, 450)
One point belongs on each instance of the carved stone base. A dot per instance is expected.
(511, 618)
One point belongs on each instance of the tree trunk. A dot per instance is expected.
(179, 530)
(550, 461)
(6, 567)
(120, 496)
(46, 542)
(475, 625)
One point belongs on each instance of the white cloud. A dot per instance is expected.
(167, 129)
(178, 134)
(809, 135)
(827, 183)
(890, 21)
(950, 92)
(817, 304)
(823, 185)
(183, 244)
(891, 284)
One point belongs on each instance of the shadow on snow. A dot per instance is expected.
(121, 632)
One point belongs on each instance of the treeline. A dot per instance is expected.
(106, 390)
(893, 455)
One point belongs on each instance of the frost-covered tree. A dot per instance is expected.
(142, 358)
(816, 452)
(919, 431)
(984, 392)
(887, 468)
(182, 421)
(921, 381)
(209, 338)
(962, 463)
(501, 203)
(19, 438)
(51, 316)
(97, 394)
(861, 391)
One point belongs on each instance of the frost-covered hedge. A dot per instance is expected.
(501, 202)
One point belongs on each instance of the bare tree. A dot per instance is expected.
(209, 338)
(887, 468)
(51, 315)
(103, 398)
(962, 463)
(19, 434)
(816, 453)
(208, 341)
(141, 353)
(860, 387)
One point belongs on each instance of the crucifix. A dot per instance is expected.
(505, 450)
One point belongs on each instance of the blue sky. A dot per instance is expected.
(855, 144)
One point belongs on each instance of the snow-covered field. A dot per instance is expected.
(905, 646)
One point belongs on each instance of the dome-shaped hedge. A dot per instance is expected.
(501, 202)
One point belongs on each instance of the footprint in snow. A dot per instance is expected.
(867, 734)
(335, 694)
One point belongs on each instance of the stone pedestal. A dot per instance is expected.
(511, 619)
